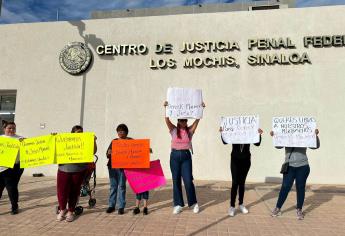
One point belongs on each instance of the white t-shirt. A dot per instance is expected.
(17, 160)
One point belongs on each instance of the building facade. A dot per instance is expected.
(268, 63)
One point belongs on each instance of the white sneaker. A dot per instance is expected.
(196, 208)
(276, 212)
(232, 211)
(300, 215)
(243, 209)
(177, 210)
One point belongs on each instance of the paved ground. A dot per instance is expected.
(324, 208)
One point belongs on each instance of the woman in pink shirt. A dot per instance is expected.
(181, 162)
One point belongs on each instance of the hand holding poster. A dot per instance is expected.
(142, 180)
(74, 147)
(9, 148)
(37, 151)
(130, 153)
(240, 129)
(294, 131)
(184, 103)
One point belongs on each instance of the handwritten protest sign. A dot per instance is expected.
(9, 148)
(37, 151)
(294, 131)
(133, 153)
(74, 148)
(142, 180)
(240, 129)
(184, 103)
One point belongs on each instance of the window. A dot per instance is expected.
(7, 106)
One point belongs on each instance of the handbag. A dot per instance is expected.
(285, 167)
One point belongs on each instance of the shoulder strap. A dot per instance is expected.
(291, 152)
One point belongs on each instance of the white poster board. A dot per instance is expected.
(240, 129)
(184, 103)
(294, 131)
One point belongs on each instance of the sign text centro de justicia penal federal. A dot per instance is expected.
(225, 53)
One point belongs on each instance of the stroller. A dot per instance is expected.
(87, 189)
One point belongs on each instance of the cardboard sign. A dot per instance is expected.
(294, 131)
(184, 103)
(9, 148)
(74, 148)
(37, 151)
(240, 129)
(142, 180)
(130, 153)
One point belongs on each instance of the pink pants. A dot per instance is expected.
(68, 188)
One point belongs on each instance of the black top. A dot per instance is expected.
(241, 150)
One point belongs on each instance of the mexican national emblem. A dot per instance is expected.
(75, 58)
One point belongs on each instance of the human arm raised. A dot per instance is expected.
(272, 134)
(221, 130)
(260, 131)
(193, 127)
(317, 139)
(170, 125)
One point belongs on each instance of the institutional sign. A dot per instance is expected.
(263, 51)
(75, 58)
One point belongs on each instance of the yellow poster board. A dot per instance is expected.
(9, 148)
(74, 147)
(37, 151)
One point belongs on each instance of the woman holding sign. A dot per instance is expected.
(239, 165)
(298, 170)
(69, 180)
(117, 176)
(9, 177)
(181, 162)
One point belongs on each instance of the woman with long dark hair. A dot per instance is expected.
(181, 162)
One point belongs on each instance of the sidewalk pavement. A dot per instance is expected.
(324, 209)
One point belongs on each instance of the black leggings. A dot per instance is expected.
(239, 170)
(10, 179)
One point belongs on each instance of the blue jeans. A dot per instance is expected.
(117, 185)
(300, 174)
(143, 195)
(181, 168)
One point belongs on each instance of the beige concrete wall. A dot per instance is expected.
(124, 88)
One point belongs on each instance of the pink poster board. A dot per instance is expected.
(142, 180)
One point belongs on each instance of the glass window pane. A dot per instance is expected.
(7, 106)
(8, 102)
